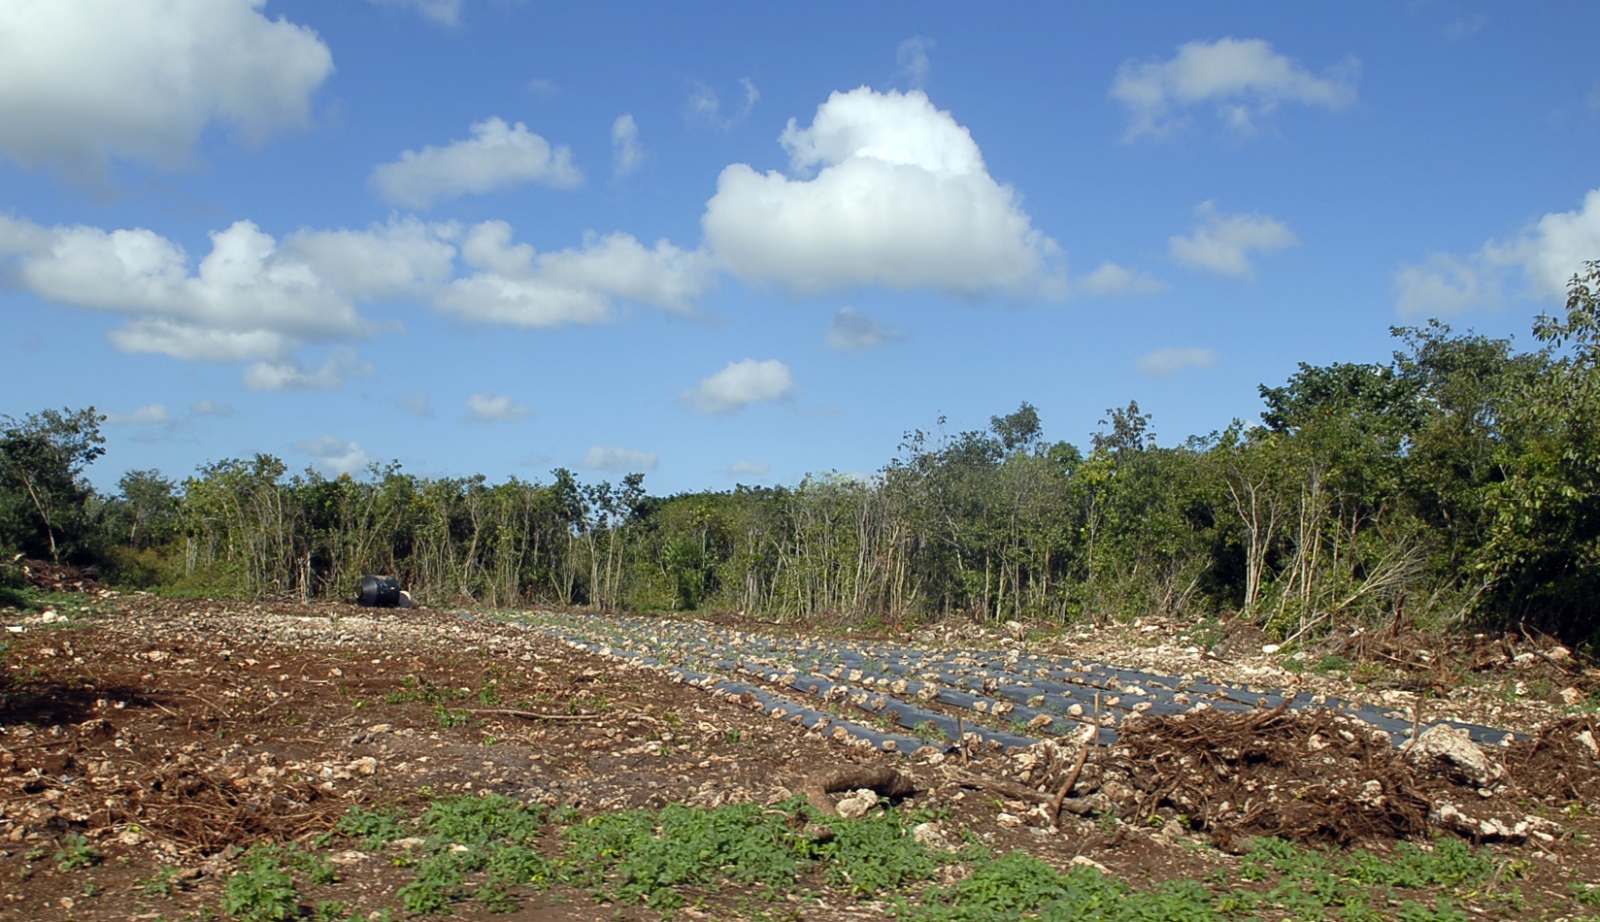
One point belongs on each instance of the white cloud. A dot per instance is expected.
(384, 261)
(852, 331)
(1547, 254)
(148, 415)
(416, 404)
(1112, 279)
(912, 56)
(497, 156)
(155, 423)
(82, 82)
(900, 198)
(748, 469)
(335, 455)
(340, 366)
(626, 152)
(619, 460)
(1223, 243)
(739, 385)
(1443, 286)
(246, 301)
(1164, 363)
(254, 298)
(542, 88)
(1244, 78)
(444, 12)
(704, 104)
(487, 408)
(1554, 249)
(515, 285)
(208, 407)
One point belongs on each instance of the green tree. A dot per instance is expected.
(44, 497)
(146, 508)
(1542, 553)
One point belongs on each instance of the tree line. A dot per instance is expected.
(1457, 484)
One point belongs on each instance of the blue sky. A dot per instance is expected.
(727, 243)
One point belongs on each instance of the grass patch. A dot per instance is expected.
(490, 848)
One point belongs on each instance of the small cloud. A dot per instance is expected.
(151, 414)
(852, 331)
(739, 385)
(443, 12)
(542, 88)
(487, 408)
(1442, 286)
(704, 104)
(1164, 363)
(1245, 78)
(1112, 279)
(497, 156)
(516, 285)
(333, 455)
(341, 366)
(626, 152)
(912, 56)
(748, 469)
(206, 407)
(156, 423)
(1222, 243)
(416, 404)
(619, 460)
(1465, 26)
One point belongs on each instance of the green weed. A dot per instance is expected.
(75, 853)
(466, 835)
(164, 883)
(331, 911)
(260, 891)
(1587, 894)
(373, 828)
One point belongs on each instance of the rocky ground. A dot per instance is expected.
(145, 744)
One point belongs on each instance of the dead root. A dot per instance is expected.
(1561, 761)
(1311, 776)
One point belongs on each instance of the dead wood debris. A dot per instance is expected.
(884, 780)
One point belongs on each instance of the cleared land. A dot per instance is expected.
(168, 759)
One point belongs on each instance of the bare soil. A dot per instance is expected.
(171, 733)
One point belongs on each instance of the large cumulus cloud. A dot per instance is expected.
(84, 81)
(884, 189)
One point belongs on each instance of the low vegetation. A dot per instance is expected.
(494, 851)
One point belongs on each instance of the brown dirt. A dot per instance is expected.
(167, 732)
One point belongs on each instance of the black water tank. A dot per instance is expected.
(379, 592)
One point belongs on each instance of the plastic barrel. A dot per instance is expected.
(379, 592)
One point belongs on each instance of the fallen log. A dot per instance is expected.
(1079, 806)
(883, 780)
